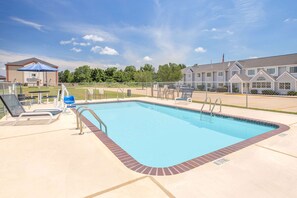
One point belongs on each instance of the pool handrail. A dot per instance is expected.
(207, 99)
(77, 116)
(215, 103)
(95, 116)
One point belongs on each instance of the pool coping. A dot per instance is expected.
(134, 165)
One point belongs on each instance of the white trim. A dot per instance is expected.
(264, 73)
(237, 77)
(287, 74)
(234, 65)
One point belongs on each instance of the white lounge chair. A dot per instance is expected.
(16, 110)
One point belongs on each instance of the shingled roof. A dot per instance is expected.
(213, 66)
(29, 60)
(288, 59)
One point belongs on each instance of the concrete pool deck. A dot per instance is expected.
(40, 160)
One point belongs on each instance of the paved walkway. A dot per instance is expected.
(40, 160)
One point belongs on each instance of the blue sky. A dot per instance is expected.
(105, 33)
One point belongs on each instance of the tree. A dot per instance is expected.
(170, 72)
(98, 75)
(119, 76)
(65, 76)
(148, 68)
(109, 72)
(143, 77)
(129, 73)
(83, 74)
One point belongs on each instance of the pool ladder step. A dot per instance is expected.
(79, 115)
(207, 100)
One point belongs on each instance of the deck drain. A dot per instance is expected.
(221, 161)
(282, 134)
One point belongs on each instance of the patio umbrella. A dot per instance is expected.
(38, 67)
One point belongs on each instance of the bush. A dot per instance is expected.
(200, 87)
(292, 93)
(269, 92)
(235, 90)
(222, 89)
(254, 91)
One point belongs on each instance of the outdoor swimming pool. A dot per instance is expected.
(162, 136)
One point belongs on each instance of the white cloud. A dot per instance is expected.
(81, 44)
(28, 23)
(104, 51)
(253, 57)
(93, 38)
(200, 50)
(147, 58)
(290, 20)
(67, 42)
(75, 49)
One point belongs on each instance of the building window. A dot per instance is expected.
(293, 69)
(284, 85)
(221, 84)
(208, 74)
(261, 85)
(271, 71)
(189, 75)
(220, 73)
(198, 75)
(209, 85)
(251, 72)
(33, 75)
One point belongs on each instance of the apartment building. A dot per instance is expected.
(277, 73)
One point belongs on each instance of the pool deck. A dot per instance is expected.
(41, 160)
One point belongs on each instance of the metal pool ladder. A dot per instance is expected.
(79, 121)
(207, 100)
(214, 105)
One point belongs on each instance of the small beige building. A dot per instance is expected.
(30, 78)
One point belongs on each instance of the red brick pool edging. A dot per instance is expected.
(134, 165)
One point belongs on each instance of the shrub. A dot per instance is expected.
(254, 91)
(222, 89)
(235, 90)
(200, 87)
(292, 93)
(269, 92)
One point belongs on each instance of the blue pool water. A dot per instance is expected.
(160, 136)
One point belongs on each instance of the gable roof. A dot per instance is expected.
(265, 74)
(212, 67)
(29, 60)
(288, 59)
(242, 77)
(286, 73)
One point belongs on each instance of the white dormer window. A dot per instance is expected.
(293, 69)
(251, 72)
(271, 71)
(208, 74)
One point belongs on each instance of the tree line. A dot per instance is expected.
(166, 73)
